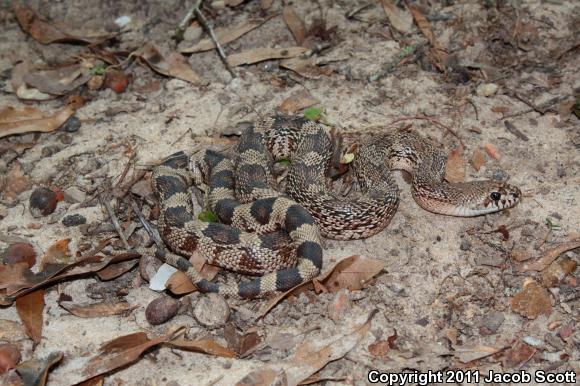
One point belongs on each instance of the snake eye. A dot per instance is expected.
(496, 196)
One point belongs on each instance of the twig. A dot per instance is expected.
(146, 224)
(515, 131)
(514, 94)
(207, 27)
(351, 14)
(189, 16)
(432, 120)
(405, 57)
(115, 221)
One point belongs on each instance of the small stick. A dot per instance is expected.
(115, 221)
(432, 120)
(207, 27)
(351, 14)
(146, 224)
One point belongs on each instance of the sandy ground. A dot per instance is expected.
(443, 275)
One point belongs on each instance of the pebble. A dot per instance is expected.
(72, 125)
(487, 89)
(42, 202)
(74, 195)
(500, 175)
(465, 245)
(161, 310)
(73, 220)
(20, 252)
(492, 322)
(212, 311)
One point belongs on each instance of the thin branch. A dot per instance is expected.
(146, 224)
(115, 221)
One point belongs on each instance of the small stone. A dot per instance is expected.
(422, 322)
(500, 175)
(74, 220)
(20, 252)
(192, 33)
(212, 311)
(42, 202)
(9, 357)
(161, 310)
(74, 195)
(465, 245)
(72, 125)
(65, 139)
(491, 322)
(487, 89)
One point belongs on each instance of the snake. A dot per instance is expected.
(277, 235)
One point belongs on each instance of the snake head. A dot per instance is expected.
(489, 197)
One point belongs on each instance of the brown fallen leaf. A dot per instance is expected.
(297, 101)
(478, 159)
(492, 151)
(113, 271)
(517, 355)
(295, 24)
(98, 309)
(30, 309)
(9, 357)
(306, 68)
(15, 181)
(466, 354)
(256, 55)
(263, 376)
(557, 272)
(224, 36)
(34, 372)
(180, 284)
(205, 346)
(500, 109)
(549, 256)
(455, 169)
(54, 32)
(398, 19)
(532, 301)
(57, 253)
(310, 358)
(243, 344)
(266, 4)
(174, 65)
(439, 55)
(352, 272)
(29, 119)
(123, 351)
(17, 280)
(58, 81)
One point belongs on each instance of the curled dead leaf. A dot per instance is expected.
(297, 101)
(35, 371)
(295, 24)
(256, 55)
(30, 308)
(57, 254)
(98, 309)
(174, 65)
(30, 119)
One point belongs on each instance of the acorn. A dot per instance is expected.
(43, 202)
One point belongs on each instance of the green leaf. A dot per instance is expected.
(98, 69)
(284, 161)
(314, 113)
(551, 225)
(207, 216)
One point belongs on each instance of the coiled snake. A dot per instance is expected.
(263, 231)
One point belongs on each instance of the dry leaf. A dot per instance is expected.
(224, 36)
(492, 151)
(113, 271)
(174, 65)
(205, 346)
(352, 272)
(295, 24)
(517, 355)
(306, 68)
(439, 55)
(180, 284)
(500, 109)
(532, 301)
(98, 309)
(17, 280)
(256, 55)
(57, 81)
(30, 308)
(455, 169)
(398, 19)
(478, 159)
(34, 372)
(467, 354)
(549, 256)
(242, 344)
(15, 182)
(557, 272)
(123, 351)
(272, 302)
(28, 119)
(266, 4)
(297, 101)
(9, 357)
(263, 376)
(57, 253)
(46, 32)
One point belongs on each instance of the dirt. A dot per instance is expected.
(447, 283)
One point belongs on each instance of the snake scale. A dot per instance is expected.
(265, 232)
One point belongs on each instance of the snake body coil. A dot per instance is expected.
(265, 232)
